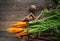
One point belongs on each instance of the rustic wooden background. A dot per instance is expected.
(12, 11)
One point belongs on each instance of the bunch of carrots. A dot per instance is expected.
(18, 28)
(44, 24)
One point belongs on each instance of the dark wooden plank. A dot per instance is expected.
(12, 15)
(19, 4)
(5, 36)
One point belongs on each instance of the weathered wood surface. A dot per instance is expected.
(18, 4)
(4, 36)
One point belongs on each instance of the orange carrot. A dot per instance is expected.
(14, 30)
(25, 32)
(20, 24)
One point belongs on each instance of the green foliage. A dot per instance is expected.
(43, 25)
(50, 23)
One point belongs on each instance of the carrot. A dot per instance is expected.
(20, 24)
(25, 32)
(14, 30)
